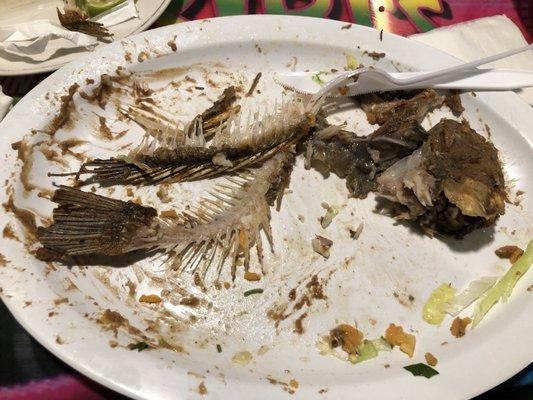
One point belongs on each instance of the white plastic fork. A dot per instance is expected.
(366, 80)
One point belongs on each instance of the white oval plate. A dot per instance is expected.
(29, 10)
(360, 278)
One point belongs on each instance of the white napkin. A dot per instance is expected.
(480, 38)
(5, 103)
(41, 39)
(33, 38)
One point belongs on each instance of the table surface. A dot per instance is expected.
(28, 371)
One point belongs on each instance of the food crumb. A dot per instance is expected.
(458, 328)
(396, 336)
(346, 336)
(113, 344)
(294, 383)
(301, 218)
(202, 389)
(59, 340)
(322, 391)
(387, 365)
(431, 359)
(172, 44)
(346, 26)
(3, 261)
(511, 252)
(376, 56)
(129, 192)
(298, 324)
(355, 234)
(252, 276)
(163, 195)
(9, 233)
(331, 212)
(530, 289)
(322, 245)
(444, 343)
(169, 214)
(262, 350)
(150, 298)
(60, 301)
(242, 358)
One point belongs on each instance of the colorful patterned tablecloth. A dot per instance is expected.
(28, 371)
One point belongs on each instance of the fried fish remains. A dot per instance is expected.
(227, 223)
(452, 185)
(242, 142)
(74, 19)
(360, 159)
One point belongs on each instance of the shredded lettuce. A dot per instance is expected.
(365, 352)
(368, 350)
(505, 285)
(435, 308)
(317, 79)
(96, 7)
(473, 292)
(351, 62)
(381, 344)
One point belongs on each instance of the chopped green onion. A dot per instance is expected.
(505, 285)
(421, 369)
(253, 291)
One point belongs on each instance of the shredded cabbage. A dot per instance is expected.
(473, 292)
(504, 287)
(435, 307)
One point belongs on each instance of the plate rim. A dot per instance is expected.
(92, 374)
(54, 67)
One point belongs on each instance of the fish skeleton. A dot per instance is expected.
(226, 224)
(243, 141)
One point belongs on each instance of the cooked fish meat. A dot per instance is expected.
(227, 224)
(452, 185)
(360, 159)
(398, 106)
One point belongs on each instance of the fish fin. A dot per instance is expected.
(87, 223)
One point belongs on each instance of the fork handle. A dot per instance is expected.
(463, 66)
(489, 79)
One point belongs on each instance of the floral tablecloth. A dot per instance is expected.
(28, 371)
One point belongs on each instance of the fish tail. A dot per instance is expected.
(87, 223)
